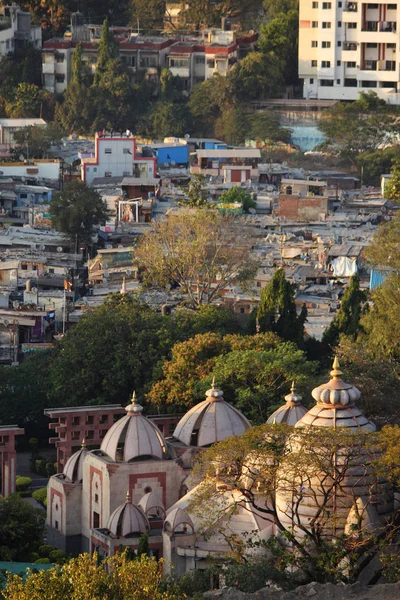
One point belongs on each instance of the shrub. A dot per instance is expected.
(42, 561)
(40, 496)
(50, 470)
(40, 466)
(57, 556)
(45, 549)
(22, 483)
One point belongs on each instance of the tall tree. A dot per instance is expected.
(239, 195)
(279, 38)
(361, 126)
(383, 252)
(21, 529)
(392, 187)
(347, 319)
(77, 209)
(108, 50)
(202, 251)
(277, 309)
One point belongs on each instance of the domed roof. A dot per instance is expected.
(178, 521)
(73, 469)
(128, 520)
(151, 505)
(210, 421)
(133, 436)
(291, 412)
(336, 405)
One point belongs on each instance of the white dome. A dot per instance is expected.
(73, 469)
(133, 436)
(151, 505)
(210, 421)
(178, 521)
(128, 520)
(336, 405)
(291, 412)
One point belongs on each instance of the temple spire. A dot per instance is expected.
(336, 372)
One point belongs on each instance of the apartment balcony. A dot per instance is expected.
(381, 26)
(183, 72)
(349, 46)
(351, 7)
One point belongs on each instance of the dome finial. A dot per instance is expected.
(128, 496)
(213, 383)
(292, 389)
(83, 443)
(134, 407)
(336, 372)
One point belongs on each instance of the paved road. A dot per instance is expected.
(24, 469)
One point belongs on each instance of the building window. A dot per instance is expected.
(200, 60)
(315, 4)
(51, 271)
(89, 420)
(338, 81)
(60, 78)
(313, 63)
(96, 520)
(258, 283)
(24, 267)
(55, 524)
(326, 5)
(369, 84)
(211, 64)
(107, 150)
(242, 311)
(96, 498)
(339, 44)
(326, 44)
(352, 25)
(147, 489)
(94, 169)
(350, 83)
(311, 81)
(103, 419)
(339, 24)
(76, 420)
(339, 4)
(326, 25)
(108, 174)
(371, 45)
(314, 24)
(326, 82)
(392, 6)
(60, 58)
(372, 6)
(314, 44)
(392, 46)
(338, 63)
(351, 64)
(326, 64)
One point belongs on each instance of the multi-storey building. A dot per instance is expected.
(17, 31)
(349, 47)
(195, 59)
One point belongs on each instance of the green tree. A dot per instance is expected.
(171, 86)
(371, 165)
(21, 529)
(274, 8)
(258, 75)
(253, 371)
(147, 14)
(277, 309)
(77, 209)
(143, 545)
(381, 322)
(279, 38)
(195, 193)
(392, 187)
(376, 377)
(34, 142)
(108, 51)
(237, 194)
(25, 102)
(210, 12)
(347, 319)
(361, 126)
(165, 118)
(201, 251)
(207, 101)
(383, 252)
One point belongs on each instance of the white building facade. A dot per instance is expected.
(349, 47)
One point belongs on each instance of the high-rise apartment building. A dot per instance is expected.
(349, 47)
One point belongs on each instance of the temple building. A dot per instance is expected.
(108, 497)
